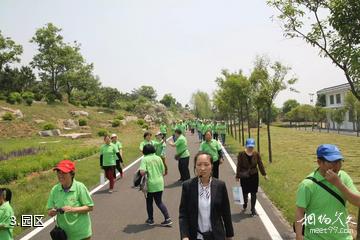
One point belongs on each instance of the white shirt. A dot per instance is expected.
(204, 221)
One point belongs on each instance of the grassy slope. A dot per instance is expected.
(294, 158)
(30, 192)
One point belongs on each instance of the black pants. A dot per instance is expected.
(215, 172)
(253, 199)
(183, 165)
(118, 166)
(149, 205)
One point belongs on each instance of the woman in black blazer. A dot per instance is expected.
(204, 211)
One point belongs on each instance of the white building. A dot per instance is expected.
(335, 98)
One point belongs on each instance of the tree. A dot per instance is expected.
(168, 100)
(339, 117)
(145, 91)
(330, 25)
(201, 105)
(9, 51)
(275, 82)
(109, 96)
(49, 61)
(289, 105)
(350, 106)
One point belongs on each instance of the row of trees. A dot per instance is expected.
(293, 112)
(246, 100)
(64, 75)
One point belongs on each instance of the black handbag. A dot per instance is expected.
(207, 235)
(58, 233)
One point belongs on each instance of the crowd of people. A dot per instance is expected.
(204, 211)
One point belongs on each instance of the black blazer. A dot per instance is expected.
(220, 214)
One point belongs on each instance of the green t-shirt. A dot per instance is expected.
(109, 154)
(76, 225)
(211, 148)
(325, 217)
(181, 147)
(163, 128)
(160, 148)
(143, 143)
(6, 215)
(155, 169)
(118, 146)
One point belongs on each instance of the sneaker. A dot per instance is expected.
(167, 222)
(150, 222)
(110, 191)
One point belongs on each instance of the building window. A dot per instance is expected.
(338, 99)
(331, 99)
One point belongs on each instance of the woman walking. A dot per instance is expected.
(119, 161)
(204, 211)
(108, 153)
(247, 173)
(212, 147)
(152, 165)
(70, 201)
(6, 215)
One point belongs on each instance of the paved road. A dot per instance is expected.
(121, 215)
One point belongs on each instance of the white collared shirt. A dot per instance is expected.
(204, 221)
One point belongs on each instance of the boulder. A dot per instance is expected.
(70, 123)
(148, 119)
(50, 133)
(79, 113)
(38, 121)
(76, 135)
(123, 122)
(16, 112)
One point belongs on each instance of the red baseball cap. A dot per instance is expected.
(65, 166)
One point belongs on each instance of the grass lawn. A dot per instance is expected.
(30, 191)
(294, 157)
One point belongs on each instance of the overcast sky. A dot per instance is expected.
(176, 46)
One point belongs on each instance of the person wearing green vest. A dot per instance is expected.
(119, 161)
(70, 202)
(161, 149)
(221, 127)
(153, 167)
(108, 154)
(199, 127)
(6, 215)
(163, 129)
(213, 148)
(321, 206)
(147, 140)
(215, 131)
(182, 155)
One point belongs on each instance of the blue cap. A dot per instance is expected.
(329, 151)
(250, 142)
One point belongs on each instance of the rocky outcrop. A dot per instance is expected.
(50, 133)
(79, 113)
(16, 112)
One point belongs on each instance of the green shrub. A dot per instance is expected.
(49, 126)
(82, 122)
(14, 97)
(145, 126)
(140, 122)
(2, 96)
(102, 132)
(28, 97)
(120, 117)
(38, 96)
(115, 123)
(8, 117)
